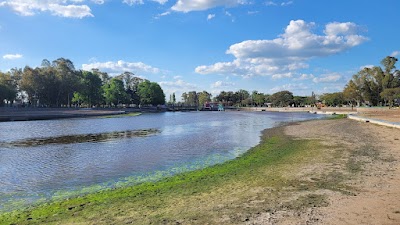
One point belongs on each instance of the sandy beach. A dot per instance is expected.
(373, 153)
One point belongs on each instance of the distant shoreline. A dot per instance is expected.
(26, 114)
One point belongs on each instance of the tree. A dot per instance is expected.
(173, 98)
(258, 98)
(203, 97)
(150, 93)
(68, 79)
(352, 94)
(390, 94)
(8, 89)
(114, 92)
(90, 91)
(282, 98)
(333, 99)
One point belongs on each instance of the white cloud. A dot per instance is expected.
(177, 77)
(133, 2)
(115, 68)
(210, 16)
(271, 3)
(141, 2)
(162, 14)
(162, 2)
(286, 3)
(99, 2)
(200, 5)
(12, 56)
(282, 75)
(222, 84)
(328, 78)
(288, 52)
(177, 86)
(395, 53)
(304, 77)
(290, 87)
(62, 8)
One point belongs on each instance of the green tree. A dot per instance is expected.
(114, 92)
(390, 94)
(258, 99)
(203, 97)
(333, 99)
(8, 89)
(282, 99)
(150, 93)
(68, 79)
(352, 94)
(90, 91)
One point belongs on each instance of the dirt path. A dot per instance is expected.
(365, 160)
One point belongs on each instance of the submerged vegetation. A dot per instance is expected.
(230, 192)
(70, 139)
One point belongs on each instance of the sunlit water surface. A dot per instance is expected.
(185, 141)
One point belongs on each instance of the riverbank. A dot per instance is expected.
(25, 114)
(323, 171)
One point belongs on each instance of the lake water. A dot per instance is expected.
(185, 141)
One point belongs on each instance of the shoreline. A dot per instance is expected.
(299, 173)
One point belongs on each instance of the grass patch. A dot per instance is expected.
(338, 116)
(233, 190)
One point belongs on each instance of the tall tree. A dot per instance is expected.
(8, 89)
(114, 92)
(282, 98)
(203, 97)
(150, 93)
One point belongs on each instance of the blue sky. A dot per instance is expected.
(214, 45)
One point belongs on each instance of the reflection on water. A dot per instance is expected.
(80, 138)
(63, 157)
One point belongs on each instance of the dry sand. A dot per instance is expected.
(374, 189)
(392, 115)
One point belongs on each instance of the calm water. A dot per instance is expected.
(185, 141)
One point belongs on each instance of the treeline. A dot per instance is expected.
(59, 84)
(243, 98)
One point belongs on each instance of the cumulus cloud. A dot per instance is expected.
(288, 52)
(395, 53)
(210, 16)
(121, 66)
(12, 56)
(327, 78)
(62, 8)
(200, 5)
(222, 84)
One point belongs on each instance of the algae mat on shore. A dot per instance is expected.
(259, 181)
